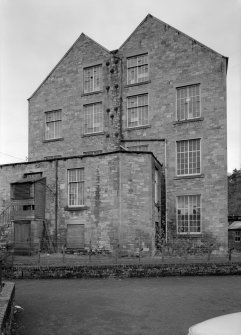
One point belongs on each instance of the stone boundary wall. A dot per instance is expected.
(7, 299)
(122, 271)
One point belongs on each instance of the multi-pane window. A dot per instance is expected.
(188, 157)
(156, 179)
(137, 110)
(188, 102)
(137, 69)
(93, 118)
(189, 214)
(141, 147)
(53, 125)
(92, 79)
(76, 187)
(237, 236)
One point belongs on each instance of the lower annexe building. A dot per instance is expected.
(106, 201)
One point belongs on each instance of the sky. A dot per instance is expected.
(35, 34)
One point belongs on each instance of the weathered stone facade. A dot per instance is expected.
(118, 199)
(174, 60)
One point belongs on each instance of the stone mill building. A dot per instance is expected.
(125, 147)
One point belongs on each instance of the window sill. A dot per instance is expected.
(91, 93)
(94, 134)
(53, 140)
(138, 127)
(189, 120)
(138, 84)
(189, 177)
(74, 209)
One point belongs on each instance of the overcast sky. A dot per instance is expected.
(35, 34)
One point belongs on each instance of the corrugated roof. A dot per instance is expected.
(235, 225)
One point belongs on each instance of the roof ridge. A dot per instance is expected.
(168, 25)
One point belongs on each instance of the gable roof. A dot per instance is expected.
(149, 16)
(65, 55)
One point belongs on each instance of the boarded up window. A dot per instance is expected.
(75, 236)
(22, 191)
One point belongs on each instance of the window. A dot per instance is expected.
(188, 214)
(93, 118)
(188, 102)
(53, 125)
(76, 187)
(92, 79)
(237, 236)
(137, 110)
(137, 69)
(188, 157)
(141, 147)
(156, 185)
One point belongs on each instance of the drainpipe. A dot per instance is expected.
(56, 205)
(120, 200)
(166, 185)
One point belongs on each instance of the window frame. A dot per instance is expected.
(177, 221)
(139, 125)
(81, 183)
(93, 88)
(237, 237)
(54, 122)
(200, 95)
(156, 184)
(136, 67)
(85, 118)
(200, 156)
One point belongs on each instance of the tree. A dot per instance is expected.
(234, 193)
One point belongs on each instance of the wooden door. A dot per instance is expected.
(75, 236)
(22, 235)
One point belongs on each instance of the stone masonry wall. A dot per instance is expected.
(118, 194)
(174, 60)
(177, 60)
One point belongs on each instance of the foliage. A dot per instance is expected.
(234, 193)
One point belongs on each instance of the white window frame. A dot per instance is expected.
(189, 157)
(53, 128)
(90, 84)
(137, 68)
(138, 108)
(188, 232)
(78, 184)
(237, 237)
(94, 117)
(189, 98)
